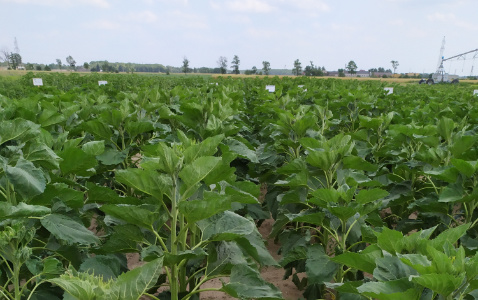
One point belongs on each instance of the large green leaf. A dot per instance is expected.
(143, 216)
(246, 283)
(94, 147)
(366, 196)
(207, 147)
(22, 210)
(100, 130)
(27, 180)
(41, 154)
(445, 128)
(390, 290)
(124, 239)
(392, 268)
(146, 181)
(319, 267)
(444, 284)
(60, 191)
(105, 195)
(106, 266)
(224, 255)
(361, 261)
(131, 285)
(68, 230)
(358, 163)
(390, 240)
(211, 204)
(134, 128)
(76, 161)
(81, 288)
(18, 129)
(112, 156)
(225, 226)
(241, 149)
(193, 173)
(450, 235)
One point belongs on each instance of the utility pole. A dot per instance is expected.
(15, 45)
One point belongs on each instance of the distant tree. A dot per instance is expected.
(185, 66)
(86, 65)
(29, 66)
(235, 64)
(254, 70)
(351, 67)
(341, 73)
(58, 62)
(266, 67)
(71, 62)
(297, 68)
(395, 64)
(388, 71)
(5, 55)
(38, 68)
(313, 70)
(105, 66)
(47, 68)
(222, 64)
(15, 60)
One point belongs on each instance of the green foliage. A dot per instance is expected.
(373, 195)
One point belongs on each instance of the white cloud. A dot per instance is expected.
(243, 6)
(188, 20)
(98, 3)
(441, 17)
(102, 24)
(311, 6)
(143, 17)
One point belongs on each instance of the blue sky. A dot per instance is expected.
(329, 33)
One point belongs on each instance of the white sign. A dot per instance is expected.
(389, 90)
(475, 92)
(102, 82)
(271, 88)
(302, 87)
(37, 81)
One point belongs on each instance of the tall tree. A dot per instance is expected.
(71, 62)
(222, 64)
(5, 55)
(351, 67)
(395, 64)
(58, 62)
(86, 65)
(15, 60)
(266, 67)
(235, 65)
(297, 68)
(185, 66)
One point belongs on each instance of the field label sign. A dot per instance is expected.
(475, 92)
(37, 81)
(302, 87)
(271, 88)
(389, 90)
(102, 82)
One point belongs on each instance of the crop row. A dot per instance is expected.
(372, 194)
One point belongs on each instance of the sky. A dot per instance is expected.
(330, 33)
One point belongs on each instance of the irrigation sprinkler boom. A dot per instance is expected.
(440, 75)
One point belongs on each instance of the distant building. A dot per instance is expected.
(333, 73)
(361, 73)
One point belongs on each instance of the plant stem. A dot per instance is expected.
(174, 245)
